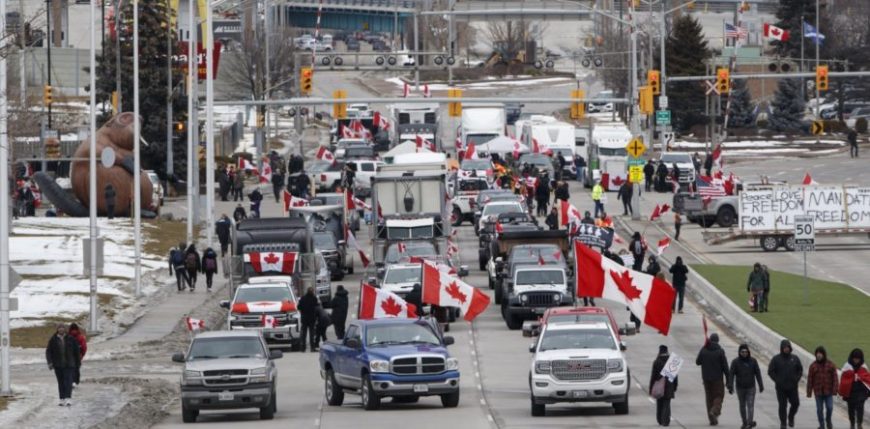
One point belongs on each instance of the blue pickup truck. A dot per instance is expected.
(399, 358)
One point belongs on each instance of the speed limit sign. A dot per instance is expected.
(804, 231)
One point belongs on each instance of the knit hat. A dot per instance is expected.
(663, 349)
(714, 338)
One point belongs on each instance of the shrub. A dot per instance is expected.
(861, 125)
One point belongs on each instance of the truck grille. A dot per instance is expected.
(418, 365)
(256, 321)
(225, 377)
(579, 369)
(540, 299)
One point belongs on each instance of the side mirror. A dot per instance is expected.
(622, 346)
(353, 343)
(463, 270)
(276, 354)
(448, 341)
(225, 304)
(532, 347)
(178, 357)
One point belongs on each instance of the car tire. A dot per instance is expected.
(331, 390)
(370, 400)
(268, 412)
(769, 243)
(188, 415)
(726, 217)
(513, 322)
(621, 408)
(456, 217)
(450, 400)
(538, 410)
(788, 243)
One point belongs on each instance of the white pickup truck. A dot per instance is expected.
(578, 362)
(465, 191)
(268, 297)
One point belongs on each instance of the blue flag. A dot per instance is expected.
(812, 33)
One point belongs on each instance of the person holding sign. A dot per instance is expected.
(663, 384)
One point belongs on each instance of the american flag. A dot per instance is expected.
(735, 32)
(709, 188)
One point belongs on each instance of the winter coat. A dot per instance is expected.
(308, 308)
(822, 378)
(662, 171)
(277, 179)
(210, 256)
(854, 385)
(256, 196)
(755, 282)
(785, 369)
(679, 275)
(670, 387)
(239, 181)
(222, 228)
(82, 340)
(744, 372)
(63, 353)
(323, 319)
(637, 249)
(193, 256)
(552, 221)
(653, 268)
(339, 307)
(561, 193)
(239, 214)
(624, 193)
(542, 192)
(649, 170)
(713, 363)
(597, 192)
(416, 297)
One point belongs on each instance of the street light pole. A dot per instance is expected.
(192, 125)
(209, 143)
(92, 174)
(137, 136)
(5, 385)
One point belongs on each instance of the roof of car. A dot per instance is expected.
(576, 310)
(564, 326)
(392, 321)
(224, 334)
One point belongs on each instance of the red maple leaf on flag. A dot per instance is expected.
(618, 181)
(271, 259)
(623, 282)
(391, 307)
(455, 293)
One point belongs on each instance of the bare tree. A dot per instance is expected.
(437, 30)
(509, 38)
(243, 70)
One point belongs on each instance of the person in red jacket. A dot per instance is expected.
(822, 381)
(77, 333)
(855, 387)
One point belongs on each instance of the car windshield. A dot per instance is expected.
(324, 241)
(422, 249)
(679, 158)
(495, 209)
(479, 139)
(476, 164)
(535, 160)
(406, 333)
(495, 195)
(350, 143)
(317, 167)
(580, 317)
(403, 275)
(358, 151)
(565, 152)
(473, 185)
(608, 151)
(540, 277)
(227, 347)
(561, 339)
(266, 293)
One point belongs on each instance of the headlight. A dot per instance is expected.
(191, 378)
(542, 367)
(557, 297)
(192, 374)
(259, 371)
(614, 365)
(379, 366)
(524, 298)
(234, 316)
(452, 364)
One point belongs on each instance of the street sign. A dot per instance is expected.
(635, 147)
(817, 128)
(663, 102)
(804, 232)
(668, 139)
(635, 174)
(711, 87)
(632, 161)
(663, 117)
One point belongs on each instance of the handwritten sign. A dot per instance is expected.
(832, 207)
(672, 367)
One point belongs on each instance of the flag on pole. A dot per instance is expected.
(324, 154)
(717, 156)
(736, 32)
(663, 244)
(445, 290)
(812, 33)
(266, 173)
(656, 213)
(377, 303)
(426, 93)
(244, 164)
(772, 32)
(353, 244)
(406, 90)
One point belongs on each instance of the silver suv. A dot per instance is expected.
(228, 370)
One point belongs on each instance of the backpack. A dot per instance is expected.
(190, 261)
(210, 264)
(177, 257)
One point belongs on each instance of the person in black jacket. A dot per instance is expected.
(277, 184)
(653, 266)
(63, 357)
(638, 250)
(542, 195)
(308, 310)
(222, 228)
(339, 311)
(256, 198)
(209, 266)
(649, 170)
(714, 372)
(662, 177)
(192, 263)
(176, 262)
(663, 404)
(624, 195)
(786, 371)
(679, 275)
(416, 297)
(323, 322)
(745, 373)
(239, 214)
(553, 219)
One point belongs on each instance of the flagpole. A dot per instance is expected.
(818, 30)
(801, 68)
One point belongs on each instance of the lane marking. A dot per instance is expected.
(483, 402)
(489, 417)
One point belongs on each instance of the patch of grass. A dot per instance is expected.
(165, 234)
(37, 336)
(836, 316)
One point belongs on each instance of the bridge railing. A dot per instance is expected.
(406, 4)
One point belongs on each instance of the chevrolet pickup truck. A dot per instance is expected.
(226, 370)
(399, 358)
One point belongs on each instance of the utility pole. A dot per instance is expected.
(5, 385)
(118, 55)
(48, 12)
(192, 125)
(92, 174)
(634, 117)
(208, 37)
(137, 143)
(268, 88)
(170, 168)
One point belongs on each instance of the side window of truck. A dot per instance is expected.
(368, 166)
(352, 332)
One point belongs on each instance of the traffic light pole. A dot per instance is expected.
(47, 52)
(5, 385)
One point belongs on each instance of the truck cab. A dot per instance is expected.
(683, 160)
(515, 248)
(400, 358)
(552, 135)
(606, 156)
(400, 278)
(532, 290)
(271, 297)
(481, 122)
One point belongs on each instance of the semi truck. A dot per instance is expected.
(481, 122)
(606, 156)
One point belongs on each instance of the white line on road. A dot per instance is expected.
(483, 402)
(477, 374)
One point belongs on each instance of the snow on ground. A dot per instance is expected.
(47, 253)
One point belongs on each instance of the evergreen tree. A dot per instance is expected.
(789, 18)
(787, 107)
(741, 114)
(154, 21)
(686, 51)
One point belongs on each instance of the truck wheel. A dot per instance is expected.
(331, 390)
(450, 400)
(726, 217)
(621, 408)
(188, 415)
(513, 322)
(788, 243)
(498, 293)
(456, 217)
(538, 410)
(268, 412)
(370, 400)
(769, 243)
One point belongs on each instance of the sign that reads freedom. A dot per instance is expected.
(832, 207)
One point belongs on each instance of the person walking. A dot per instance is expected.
(765, 291)
(678, 223)
(109, 196)
(755, 285)
(223, 183)
(277, 184)
(855, 387)
(638, 250)
(239, 186)
(222, 229)
(323, 322)
(714, 373)
(308, 310)
(542, 195)
(561, 193)
(63, 356)
(624, 194)
(822, 381)
(192, 265)
(339, 311)
(209, 265)
(256, 198)
(597, 195)
(77, 333)
(552, 220)
(708, 164)
(786, 371)
(176, 262)
(668, 389)
(679, 277)
(745, 373)
(239, 214)
(652, 266)
(580, 167)
(852, 137)
(649, 170)
(662, 177)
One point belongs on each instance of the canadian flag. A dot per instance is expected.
(536, 148)
(194, 324)
(445, 290)
(458, 142)
(663, 244)
(657, 213)
(346, 132)
(401, 247)
(324, 154)
(452, 248)
(423, 143)
(281, 262)
(808, 180)
(381, 122)
(498, 227)
(406, 90)
(353, 244)
(244, 164)
(426, 92)
(360, 130)
(264, 307)
(269, 321)
(516, 152)
(665, 208)
(360, 204)
(649, 298)
(291, 201)
(470, 153)
(380, 304)
(266, 174)
(773, 32)
(568, 213)
(718, 161)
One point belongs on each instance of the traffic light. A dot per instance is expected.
(653, 79)
(179, 127)
(578, 109)
(46, 95)
(305, 77)
(339, 110)
(455, 107)
(645, 101)
(822, 78)
(723, 80)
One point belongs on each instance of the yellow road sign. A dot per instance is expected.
(635, 174)
(818, 128)
(635, 147)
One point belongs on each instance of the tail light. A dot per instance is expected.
(322, 177)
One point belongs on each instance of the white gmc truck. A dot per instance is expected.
(578, 362)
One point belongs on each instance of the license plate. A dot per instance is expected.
(421, 388)
(225, 396)
(580, 393)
